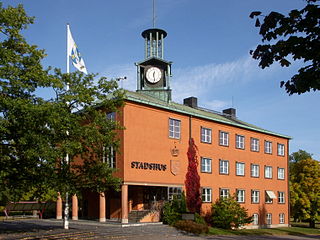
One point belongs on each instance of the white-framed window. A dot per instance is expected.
(223, 138)
(254, 170)
(109, 156)
(111, 116)
(255, 196)
(267, 171)
(280, 149)
(255, 218)
(281, 173)
(206, 194)
(269, 218)
(224, 193)
(268, 199)
(281, 218)
(239, 141)
(206, 134)
(281, 198)
(174, 128)
(255, 144)
(224, 166)
(174, 192)
(239, 169)
(240, 195)
(206, 165)
(268, 147)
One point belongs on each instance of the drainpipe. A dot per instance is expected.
(190, 127)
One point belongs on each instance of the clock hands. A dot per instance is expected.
(153, 75)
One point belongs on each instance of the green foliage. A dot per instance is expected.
(36, 134)
(293, 36)
(170, 215)
(199, 219)
(33, 195)
(300, 155)
(227, 213)
(305, 190)
(191, 226)
(172, 210)
(296, 157)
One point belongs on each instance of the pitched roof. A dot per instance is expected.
(196, 112)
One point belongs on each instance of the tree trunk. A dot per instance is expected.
(312, 224)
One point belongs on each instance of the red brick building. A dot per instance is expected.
(235, 157)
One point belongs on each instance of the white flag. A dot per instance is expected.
(74, 53)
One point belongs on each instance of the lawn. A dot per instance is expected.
(295, 230)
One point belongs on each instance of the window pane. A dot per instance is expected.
(240, 169)
(223, 138)
(174, 128)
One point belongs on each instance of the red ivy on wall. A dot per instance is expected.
(192, 181)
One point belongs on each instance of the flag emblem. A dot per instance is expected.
(74, 53)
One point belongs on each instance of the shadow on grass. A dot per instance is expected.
(304, 225)
(297, 231)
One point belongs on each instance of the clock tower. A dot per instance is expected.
(153, 73)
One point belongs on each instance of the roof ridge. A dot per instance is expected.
(198, 112)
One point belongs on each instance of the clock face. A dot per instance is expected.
(153, 75)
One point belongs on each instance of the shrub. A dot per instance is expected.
(227, 213)
(199, 219)
(191, 226)
(173, 210)
(170, 215)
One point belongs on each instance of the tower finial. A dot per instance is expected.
(154, 16)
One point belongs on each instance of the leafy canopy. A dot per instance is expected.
(295, 36)
(37, 133)
(305, 190)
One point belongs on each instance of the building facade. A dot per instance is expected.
(234, 157)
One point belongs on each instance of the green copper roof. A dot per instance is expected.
(196, 112)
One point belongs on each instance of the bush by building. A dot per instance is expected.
(172, 210)
(227, 213)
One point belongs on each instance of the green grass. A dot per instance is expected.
(295, 230)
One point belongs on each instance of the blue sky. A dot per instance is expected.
(208, 42)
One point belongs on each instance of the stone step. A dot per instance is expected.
(137, 215)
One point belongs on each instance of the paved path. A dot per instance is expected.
(52, 230)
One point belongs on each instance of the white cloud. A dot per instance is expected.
(202, 81)
(124, 70)
(199, 81)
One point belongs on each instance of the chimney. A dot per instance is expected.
(230, 112)
(191, 102)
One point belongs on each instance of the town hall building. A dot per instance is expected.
(234, 157)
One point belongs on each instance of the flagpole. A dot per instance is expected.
(66, 208)
(67, 52)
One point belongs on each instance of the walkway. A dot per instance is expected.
(52, 229)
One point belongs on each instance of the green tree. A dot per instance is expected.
(305, 191)
(227, 213)
(293, 36)
(36, 134)
(298, 156)
(21, 124)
